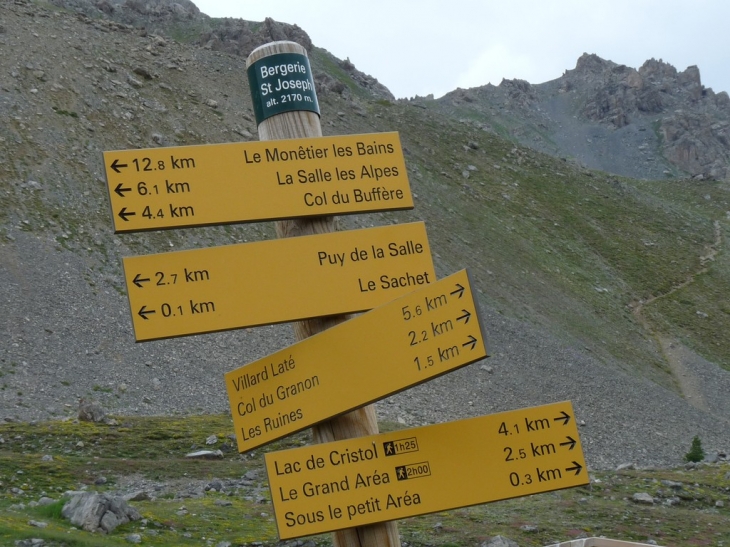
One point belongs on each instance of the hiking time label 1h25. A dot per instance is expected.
(405, 342)
(250, 284)
(411, 472)
(157, 188)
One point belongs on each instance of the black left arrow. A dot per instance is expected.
(123, 214)
(472, 342)
(565, 417)
(144, 312)
(116, 165)
(459, 290)
(121, 189)
(577, 468)
(138, 280)
(570, 442)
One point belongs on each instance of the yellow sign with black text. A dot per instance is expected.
(407, 341)
(156, 188)
(391, 476)
(266, 282)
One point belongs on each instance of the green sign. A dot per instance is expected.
(282, 83)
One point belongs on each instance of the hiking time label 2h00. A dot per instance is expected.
(265, 282)
(410, 472)
(424, 334)
(187, 186)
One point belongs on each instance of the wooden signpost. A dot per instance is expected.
(355, 482)
(409, 340)
(186, 186)
(265, 282)
(284, 67)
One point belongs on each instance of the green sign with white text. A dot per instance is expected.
(282, 83)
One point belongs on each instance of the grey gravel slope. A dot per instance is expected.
(60, 342)
(65, 329)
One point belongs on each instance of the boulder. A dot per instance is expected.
(96, 512)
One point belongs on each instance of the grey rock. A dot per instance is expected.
(643, 497)
(216, 485)
(141, 71)
(253, 474)
(91, 411)
(205, 454)
(139, 495)
(98, 512)
(500, 541)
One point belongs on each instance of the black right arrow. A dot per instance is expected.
(459, 290)
(116, 165)
(571, 441)
(143, 312)
(565, 417)
(138, 281)
(578, 468)
(472, 341)
(123, 214)
(465, 317)
(121, 189)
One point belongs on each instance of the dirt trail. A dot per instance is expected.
(689, 385)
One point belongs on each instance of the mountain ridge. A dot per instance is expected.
(654, 122)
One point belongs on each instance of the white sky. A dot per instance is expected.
(417, 47)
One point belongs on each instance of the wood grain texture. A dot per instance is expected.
(363, 421)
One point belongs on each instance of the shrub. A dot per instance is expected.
(695, 454)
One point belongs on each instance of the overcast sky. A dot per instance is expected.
(417, 47)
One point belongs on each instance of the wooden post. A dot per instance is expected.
(302, 124)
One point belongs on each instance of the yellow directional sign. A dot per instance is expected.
(414, 338)
(234, 286)
(411, 472)
(157, 188)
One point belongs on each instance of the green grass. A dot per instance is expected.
(65, 112)
(153, 449)
(566, 248)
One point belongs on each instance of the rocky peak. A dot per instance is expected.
(657, 70)
(691, 120)
(519, 92)
(650, 122)
(229, 35)
(135, 12)
(590, 63)
(240, 37)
